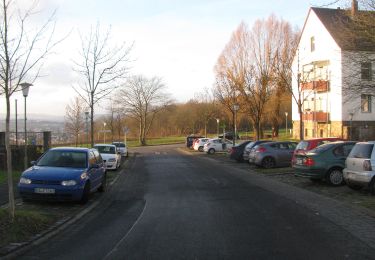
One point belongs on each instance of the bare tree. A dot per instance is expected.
(74, 118)
(22, 52)
(207, 107)
(102, 66)
(143, 98)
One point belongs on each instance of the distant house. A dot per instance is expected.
(335, 64)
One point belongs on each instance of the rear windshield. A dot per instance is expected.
(302, 145)
(119, 144)
(322, 148)
(361, 151)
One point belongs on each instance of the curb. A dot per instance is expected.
(20, 248)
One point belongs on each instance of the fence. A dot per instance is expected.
(37, 144)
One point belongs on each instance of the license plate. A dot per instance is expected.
(299, 161)
(44, 191)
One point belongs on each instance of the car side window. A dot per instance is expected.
(339, 151)
(284, 146)
(292, 146)
(275, 146)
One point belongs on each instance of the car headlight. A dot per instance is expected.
(68, 183)
(25, 180)
(112, 160)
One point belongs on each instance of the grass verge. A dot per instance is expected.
(25, 225)
(3, 176)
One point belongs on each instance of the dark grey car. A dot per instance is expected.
(249, 147)
(273, 154)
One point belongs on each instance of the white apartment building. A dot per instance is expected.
(334, 68)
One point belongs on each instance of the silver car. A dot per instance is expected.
(272, 154)
(360, 166)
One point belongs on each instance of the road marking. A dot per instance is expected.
(115, 248)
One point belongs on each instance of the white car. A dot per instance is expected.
(217, 145)
(122, 148)
(198, 145)
(110, 155)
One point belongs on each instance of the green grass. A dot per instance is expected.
(3, 176)
(26, 224)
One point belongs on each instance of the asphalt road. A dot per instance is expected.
(169, 205)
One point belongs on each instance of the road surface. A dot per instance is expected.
(169, 205)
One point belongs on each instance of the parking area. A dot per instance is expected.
(361, 198)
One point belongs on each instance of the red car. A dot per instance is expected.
(307, 145)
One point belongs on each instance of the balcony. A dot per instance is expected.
(317, 116)
(318, 85)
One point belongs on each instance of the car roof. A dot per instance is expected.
(78, 149)
(105, 145)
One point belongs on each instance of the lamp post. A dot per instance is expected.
(87, 127)
(286, 123)
(235, 109)
(25, 91)
(351, 123)
(217, 121)
(104, 124)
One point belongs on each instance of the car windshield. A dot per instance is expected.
(70, 159)
(105, 149)
(119, 144)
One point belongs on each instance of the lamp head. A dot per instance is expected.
(25, 88)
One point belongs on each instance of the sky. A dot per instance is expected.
(177, 40)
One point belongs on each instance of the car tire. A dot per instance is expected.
(354, 186)
(335, 177)
(85, 194)
(200, 148)
(268, 163)
(103, 186)
(211, 151)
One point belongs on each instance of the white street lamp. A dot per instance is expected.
(286, 123)
(235, 109)
(25, 91)
(217, 121)
(104, 124)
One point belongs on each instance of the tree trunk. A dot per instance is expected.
(9, 161)
(301, 135)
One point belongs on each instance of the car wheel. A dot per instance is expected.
(268, 163)
(354, 187)
(85, 193)
(335, 177)
(103, 186)
(200, 148)
(211, 151)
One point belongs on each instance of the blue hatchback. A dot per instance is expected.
(64, 174)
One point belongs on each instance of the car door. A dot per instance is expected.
(340, 153)
(92, 171)
(284, 153)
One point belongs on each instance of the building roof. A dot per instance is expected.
(347, 33)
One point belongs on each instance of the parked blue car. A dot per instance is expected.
(64, 174)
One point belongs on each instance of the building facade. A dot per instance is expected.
(334, 77)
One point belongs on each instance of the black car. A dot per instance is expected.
(229, 136)
(236, 152)
(190, 139)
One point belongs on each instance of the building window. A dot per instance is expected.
(366, 71)
(312, 43)
(366, 103)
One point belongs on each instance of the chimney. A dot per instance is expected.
(354, 7)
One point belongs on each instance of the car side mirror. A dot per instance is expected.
(33, 163)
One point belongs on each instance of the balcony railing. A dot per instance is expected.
(318, 85)
(317, 116)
